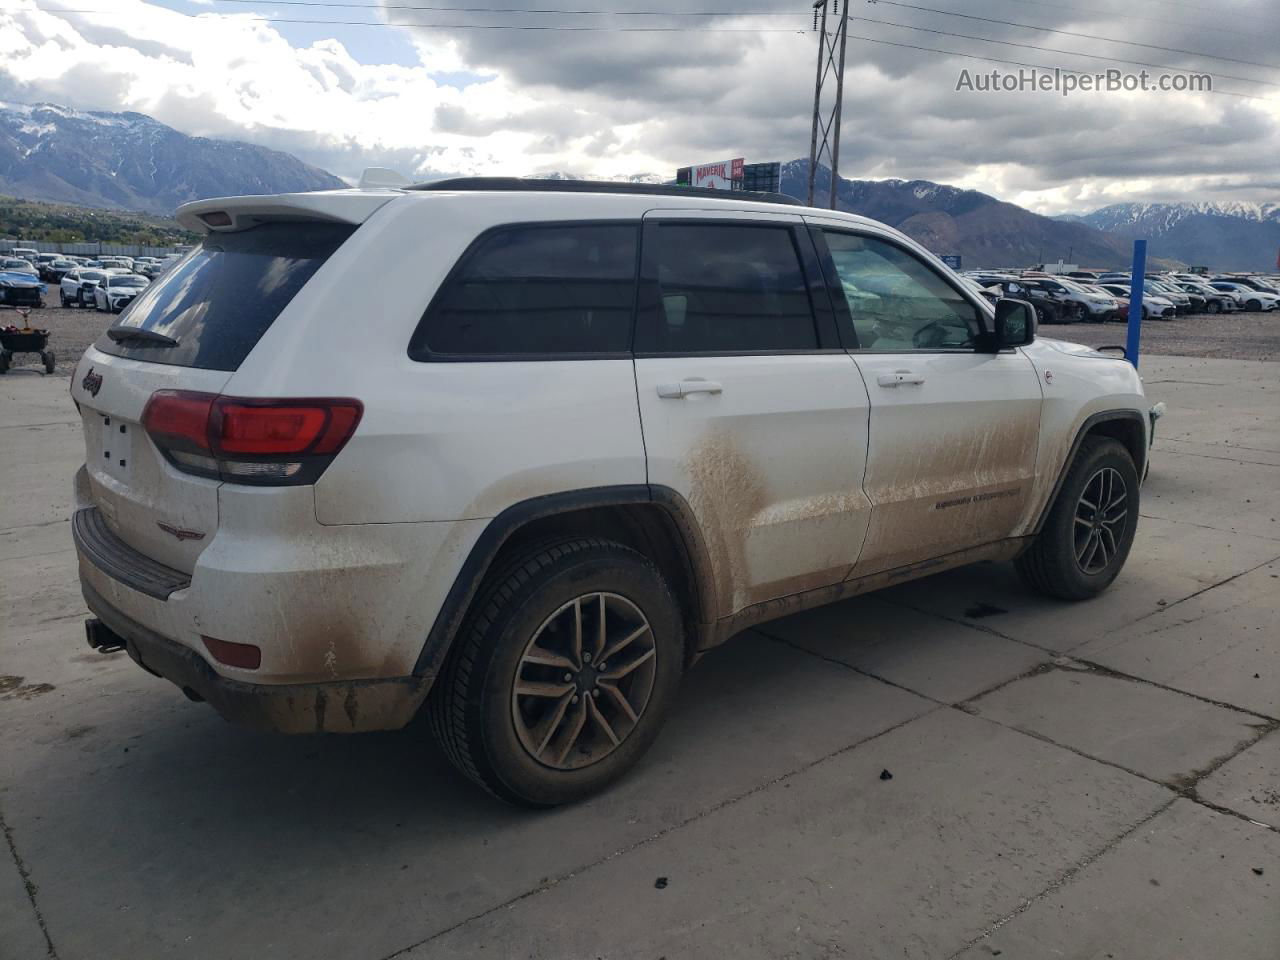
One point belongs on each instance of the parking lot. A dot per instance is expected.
(950, 768)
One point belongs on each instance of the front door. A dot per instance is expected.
(750, 409)
(954, 428)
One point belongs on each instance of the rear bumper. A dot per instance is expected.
(351, 706)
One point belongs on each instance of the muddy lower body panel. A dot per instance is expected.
(343, 706)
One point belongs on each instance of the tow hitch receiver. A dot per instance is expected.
(101, 637)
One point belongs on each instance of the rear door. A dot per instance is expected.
(215, 305)
(750, 408)
(954, 429)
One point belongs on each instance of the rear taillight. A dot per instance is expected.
(247, 440)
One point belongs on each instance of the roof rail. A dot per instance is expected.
(519, 184)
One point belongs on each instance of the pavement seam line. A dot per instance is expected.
(1105, 670)
(28, 885)
(1065, 878)
(1187, 791)
(666, 831)
(847, 666)
(1205, 526)
(1213, 586)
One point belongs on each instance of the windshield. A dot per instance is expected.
(126, 282)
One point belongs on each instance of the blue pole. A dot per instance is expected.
(1137, 281)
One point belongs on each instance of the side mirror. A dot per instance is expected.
(1015, 323)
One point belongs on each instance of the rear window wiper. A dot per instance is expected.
(122, 332)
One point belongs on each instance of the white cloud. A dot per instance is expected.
(621, 103)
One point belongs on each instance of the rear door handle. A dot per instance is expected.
(899, 377)
(675, 391)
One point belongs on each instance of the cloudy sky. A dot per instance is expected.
(434, 87)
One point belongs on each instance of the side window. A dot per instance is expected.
(726, 288)
(896, 301)
(537, 289)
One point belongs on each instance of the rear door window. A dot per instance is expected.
(536, 290)
(220, 299)
(726, 288)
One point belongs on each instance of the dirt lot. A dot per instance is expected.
(1238, 336)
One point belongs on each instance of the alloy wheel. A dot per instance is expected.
(584, 680)
(1100, 518)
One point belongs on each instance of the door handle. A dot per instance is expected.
(899, 377)
(675, 391)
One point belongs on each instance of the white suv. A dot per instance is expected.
(522, 451)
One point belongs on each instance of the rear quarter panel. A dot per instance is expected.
(444, 440)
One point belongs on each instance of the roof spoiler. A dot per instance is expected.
(229, 214)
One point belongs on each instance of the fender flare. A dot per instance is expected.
(510, 521)
(1089, 423)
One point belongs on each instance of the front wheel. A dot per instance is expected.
(1254, 305)
(562, 674)
(1090, 527)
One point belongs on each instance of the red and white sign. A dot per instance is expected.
(719, 175)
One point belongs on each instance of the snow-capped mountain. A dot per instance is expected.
(984, 231)
(129, 161)
(1231, 235)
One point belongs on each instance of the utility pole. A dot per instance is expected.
(825, 137)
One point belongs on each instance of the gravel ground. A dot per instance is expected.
(1237, 336)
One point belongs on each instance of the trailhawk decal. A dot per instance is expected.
(977, 498)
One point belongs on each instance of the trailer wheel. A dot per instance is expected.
(49, 360)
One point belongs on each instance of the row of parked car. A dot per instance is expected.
(1094, 297)
(108, 283)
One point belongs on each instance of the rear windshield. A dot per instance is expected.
(220, 299)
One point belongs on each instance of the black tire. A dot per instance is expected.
(1254, 305)
(62, 298)
(472, 704)
(4, 361)
(1051, 565)
(50, 360)
(1212, 306)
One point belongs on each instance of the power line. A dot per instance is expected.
(1069, 33)
(539, 28)
(1069, 53)
(1019, 63)
(1061, 7)
(522, 10)
(551, 28)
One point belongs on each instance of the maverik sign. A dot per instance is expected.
(719, 175)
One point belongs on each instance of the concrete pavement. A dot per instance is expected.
(1093, 780)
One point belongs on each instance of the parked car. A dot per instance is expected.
(24, 253)
(54, 270)
(1119, 309)
(21, 289)
(1260, 284)
(118, 291)
(1087, 275)
(1152, 306)
(532, 506)
(1215, 301)
(1077, 304)
(76, 288)
(1248, 297)
(1046, 304)
(18, 265)
(1181, 301)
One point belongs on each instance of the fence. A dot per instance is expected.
(92, 249)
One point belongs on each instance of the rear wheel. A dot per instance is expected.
(1090, 527)
(562, 674)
